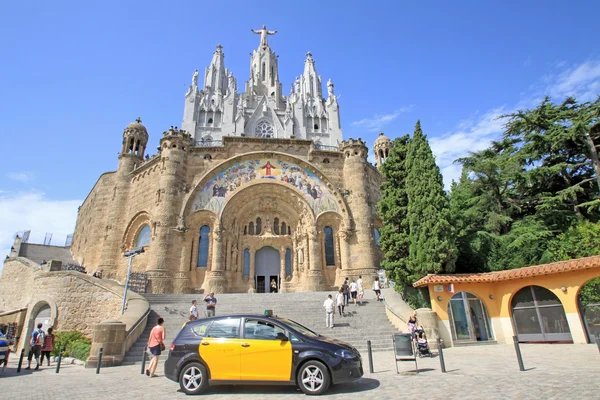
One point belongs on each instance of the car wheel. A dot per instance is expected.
(193, 378)
(313, 378)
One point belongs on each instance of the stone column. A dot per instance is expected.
(281, 268)
(344, 238)
(315, 273)
(252, 274)
(181, 277)
(215, 279)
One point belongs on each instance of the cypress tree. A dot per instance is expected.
(392, 209)
(432, 248)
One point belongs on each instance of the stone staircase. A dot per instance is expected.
(361, 323)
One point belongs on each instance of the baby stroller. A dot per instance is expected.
(420, 338)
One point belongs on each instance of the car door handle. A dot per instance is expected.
(245, 345)
(205, 343)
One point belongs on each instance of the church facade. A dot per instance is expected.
(256, 187)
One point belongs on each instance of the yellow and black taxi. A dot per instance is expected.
(251, 349)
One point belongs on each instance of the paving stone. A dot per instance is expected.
(553, 371)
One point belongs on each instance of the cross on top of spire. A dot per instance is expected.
(138, 120)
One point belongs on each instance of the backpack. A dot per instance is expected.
(39, 339)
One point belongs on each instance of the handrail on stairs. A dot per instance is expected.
(134, 327)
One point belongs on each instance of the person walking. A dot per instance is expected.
(411, 324)
(211, 304)
(377, 288)
(339, 299)
(361, 291)
(193, 311)
(354, 292)
(156, 344)
(328, 305)
(48, 346)
(37, 341)
(346, 289)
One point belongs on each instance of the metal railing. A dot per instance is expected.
(209, 143)
(326, 148)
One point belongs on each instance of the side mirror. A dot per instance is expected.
(281, 336)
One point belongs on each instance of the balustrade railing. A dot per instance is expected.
(209, 143)
(326, 148)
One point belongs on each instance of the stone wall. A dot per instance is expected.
(77, 301)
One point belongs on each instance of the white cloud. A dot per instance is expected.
(470, 135)
(33, 211)
(377, 122)
(21, 176)
(581, 81)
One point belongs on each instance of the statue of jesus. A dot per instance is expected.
(264, 32)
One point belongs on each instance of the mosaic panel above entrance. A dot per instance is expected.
(222, 186)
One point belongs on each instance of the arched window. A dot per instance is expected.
(263, 129)
(246, 262)
(377, 235)
(143, 238)
(251, 228)
(245, 230)
(258, 225)
(203, 246)
(288, 262)
(263, 72)
(469, 318)
(276, 226)
(283, 228)
(210, 120)
(316, 126)
(289, 230)
(329, 252)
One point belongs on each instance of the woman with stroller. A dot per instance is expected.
(411, 325)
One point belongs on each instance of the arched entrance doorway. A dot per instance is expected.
(43, 317)
(267, 263)
(589, 306)
(469, 320)
(538, 316)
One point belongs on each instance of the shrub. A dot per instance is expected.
(67, 340)
(80, 349)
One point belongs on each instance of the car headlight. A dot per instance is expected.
(345, 354)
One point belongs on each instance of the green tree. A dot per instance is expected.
(392, 209)
(581, 240)
(432, 249)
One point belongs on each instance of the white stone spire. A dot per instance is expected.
(311, 82)
(215, 76)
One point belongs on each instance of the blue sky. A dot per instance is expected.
(73, 75)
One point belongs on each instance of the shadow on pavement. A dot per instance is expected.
(361, 385)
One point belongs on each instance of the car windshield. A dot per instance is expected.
(302, 329)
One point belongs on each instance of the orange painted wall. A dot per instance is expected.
(503, 291)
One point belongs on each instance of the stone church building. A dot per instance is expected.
(255, 187)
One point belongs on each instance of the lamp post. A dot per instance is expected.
(129, 254)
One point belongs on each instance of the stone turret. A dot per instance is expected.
(356, 182)
(135, 139)
(382, 149)
(165, 250)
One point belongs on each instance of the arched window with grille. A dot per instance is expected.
(276, 226)
(283, 228)
(329, 250)
(251, 228)
(246, 262)
(143, 238)
(203, 243)
(258, 225)
(288, 262)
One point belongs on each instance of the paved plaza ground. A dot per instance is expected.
(477, 372)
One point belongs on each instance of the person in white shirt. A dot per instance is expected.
(339, 299)
(353, 291)
(193, 311)
(328, 305)
(361, 291)
(377, 288)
